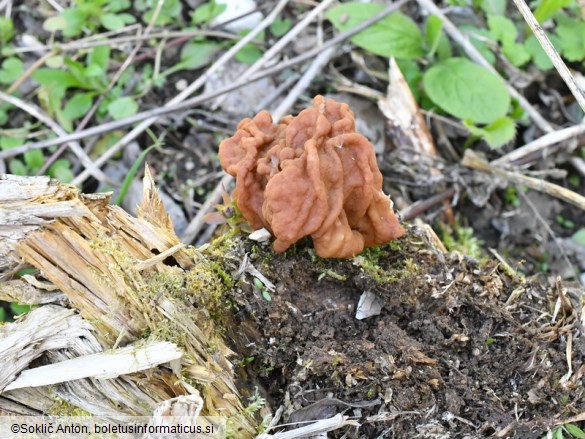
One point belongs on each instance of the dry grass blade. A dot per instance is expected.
(317, 428)
(473, 160)
(541, 143)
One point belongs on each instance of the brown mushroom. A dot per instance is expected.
(310, 175)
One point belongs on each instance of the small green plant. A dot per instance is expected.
(461, 239)
(279, 27)
(453, 84)
(579, 236)
(251, 52)
(395, 35)
(565, 222)
(90, 15)
(169, 13)
(566, 431)
(263, 290)
(206, 12)
(67, 93)
(6, 31)
(511, 197)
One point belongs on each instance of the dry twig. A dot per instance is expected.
(473, 160)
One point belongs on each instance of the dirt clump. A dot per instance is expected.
(460, 349)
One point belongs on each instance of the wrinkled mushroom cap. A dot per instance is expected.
(310, 175)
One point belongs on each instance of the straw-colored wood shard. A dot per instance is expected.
(127, 303)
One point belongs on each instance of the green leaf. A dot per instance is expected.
(75, 21)
(4, 107)
(516, 53)
(547, 8)
(55, 62)
(127, 18)
(122, 107)
(575, 431)
(502, 28)
(579, 236)
(571, 33)
(132, 173)
(16, 167)
(77, 69)
(10, 142)
(112, 21)
(12, 69)
(61, 170)
(466, 90)
(3, 316)
(99, 56)
(196, 54)
(55, 77)
(55, 23)
(249, 54)
(6, 30)
(444, 48)
(395, 35)
(279, 27)
(118, 5)
(266, 295)
(93, 71)
(496, 134)
(207, 12)
(78, 105)
(477, 37)
(433, 34)
(171, 9)
(18, 309)
(34, 160)
(494, 7)
(558, 433)
(63, 175)
(539, 56)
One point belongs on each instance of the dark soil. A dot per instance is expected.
(460, 348)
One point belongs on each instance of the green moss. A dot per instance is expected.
(255, 404)
(208, 283)
(61, 407)
(461, 239)
(332, 274)
(382, 264)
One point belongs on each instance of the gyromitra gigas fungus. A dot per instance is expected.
(310, 175)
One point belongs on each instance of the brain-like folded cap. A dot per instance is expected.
(310, 175)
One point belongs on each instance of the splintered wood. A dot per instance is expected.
(127, 313)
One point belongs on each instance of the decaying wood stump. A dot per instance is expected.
(105, 285)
